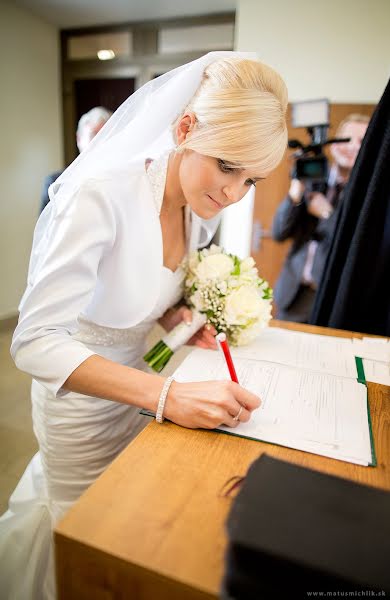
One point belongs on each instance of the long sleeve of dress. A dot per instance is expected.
(61, 287)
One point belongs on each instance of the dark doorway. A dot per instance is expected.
(109, 93)
(106, 92)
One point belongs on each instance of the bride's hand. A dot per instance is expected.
(209, 404)
(204, 338)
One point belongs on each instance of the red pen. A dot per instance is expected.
(224, 346)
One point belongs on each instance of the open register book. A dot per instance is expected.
(314, 396)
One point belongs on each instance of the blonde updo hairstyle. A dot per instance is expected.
(240, 109)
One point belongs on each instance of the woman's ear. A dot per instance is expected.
(184, 127)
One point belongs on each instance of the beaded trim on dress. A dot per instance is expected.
(91, 333)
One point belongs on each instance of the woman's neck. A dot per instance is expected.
(173, 199)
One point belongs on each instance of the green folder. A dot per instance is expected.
(362, 379)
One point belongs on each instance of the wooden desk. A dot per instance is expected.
(152, 526)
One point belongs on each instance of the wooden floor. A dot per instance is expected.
(17, 440)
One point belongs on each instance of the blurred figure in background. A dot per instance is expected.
(310, 219)
(88, 126)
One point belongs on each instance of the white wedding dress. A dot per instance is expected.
(78, 438)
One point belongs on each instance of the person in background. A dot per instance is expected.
(88, 126)
(310, 219)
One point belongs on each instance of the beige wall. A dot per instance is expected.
(334, 49)
(30, 142)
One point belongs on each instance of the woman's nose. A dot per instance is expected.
(234, 192)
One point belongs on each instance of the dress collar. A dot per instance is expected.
(157, 175)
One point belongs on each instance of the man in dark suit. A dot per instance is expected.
(88, 126)
(310, 219)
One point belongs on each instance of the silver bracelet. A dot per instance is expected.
(161, 400)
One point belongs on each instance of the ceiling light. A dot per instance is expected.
(106, 54)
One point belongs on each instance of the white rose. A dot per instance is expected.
(248, 271)
(246, 335)
(243, 305)
(248, 277)
(233, 282)
(265, 313)
(214, 249)
(247, 264)
(215, 266)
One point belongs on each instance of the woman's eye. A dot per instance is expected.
(224, 167)
(250, 182)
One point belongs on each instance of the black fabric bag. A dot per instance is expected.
(293, 531)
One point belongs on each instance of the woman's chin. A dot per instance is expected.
(206, 214)
(205, 211)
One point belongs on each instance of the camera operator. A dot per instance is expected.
(309, 218)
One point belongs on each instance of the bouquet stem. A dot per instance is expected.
(161, 352)
(158, 356)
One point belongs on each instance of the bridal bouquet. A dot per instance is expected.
(224, 291)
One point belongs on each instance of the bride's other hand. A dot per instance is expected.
(173, 316)
(204, 338)
(209, 404)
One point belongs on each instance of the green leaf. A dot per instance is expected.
(237, 265)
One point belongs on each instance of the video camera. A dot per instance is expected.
(311, 165)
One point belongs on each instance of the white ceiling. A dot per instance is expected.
(82, 13)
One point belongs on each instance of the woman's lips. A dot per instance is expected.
(218, 204)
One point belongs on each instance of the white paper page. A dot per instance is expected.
(314, 412)
(326, 354)
(376, 371)
(373, 348)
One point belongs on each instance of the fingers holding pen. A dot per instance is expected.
(242, 405)
(209, 404)
(245, 397)
(242, 415)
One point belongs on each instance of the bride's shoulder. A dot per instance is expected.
(112, 190)
(133, 172)
(117, 187)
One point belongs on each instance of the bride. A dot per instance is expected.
(105, 266)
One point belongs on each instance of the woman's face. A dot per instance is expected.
(209, 185)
